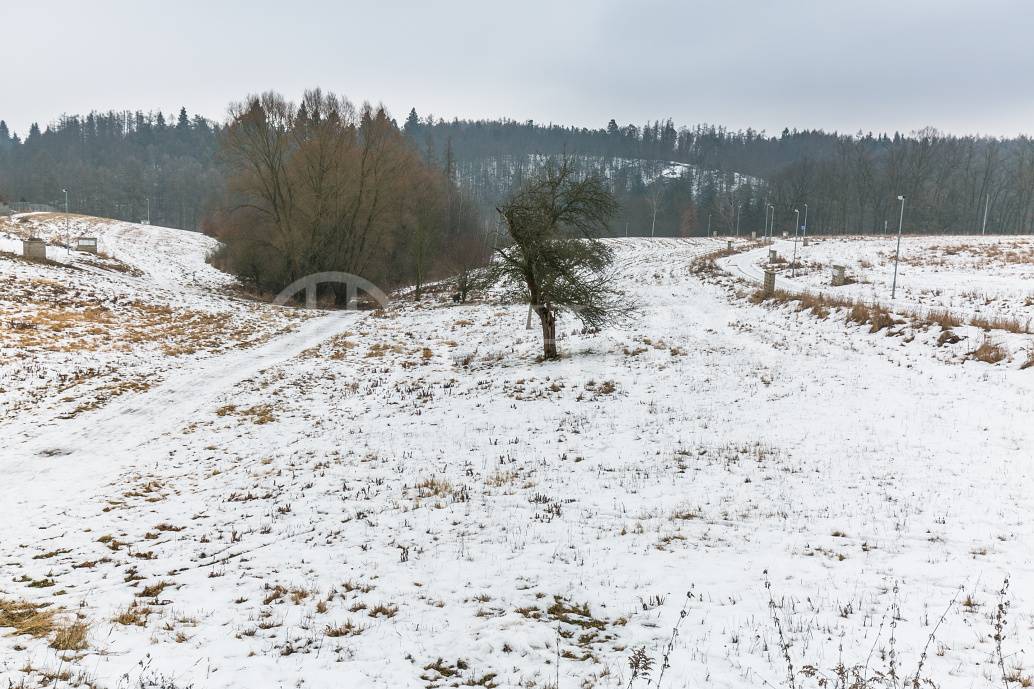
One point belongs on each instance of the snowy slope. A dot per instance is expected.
(409, 498)
(993, 276)
(81, 329)
(974, 280)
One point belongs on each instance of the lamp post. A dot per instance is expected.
(805, 228)
(796, 224)
(771, 227)
(738, 205)
(897, 251)
(68, 232)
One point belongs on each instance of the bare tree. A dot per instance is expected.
(322, 186)
(555, 220)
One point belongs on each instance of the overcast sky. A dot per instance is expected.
(965, 67)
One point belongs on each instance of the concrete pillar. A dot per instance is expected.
(805, 241)
(34, 248)
(715, 233)
(754, 235)
(769, 287)
(772, 255)
(839, 278)
(88, 244)
(728, 245)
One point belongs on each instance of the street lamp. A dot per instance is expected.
(897, 251)
(805, 228)
(796, 224)
(68, 232)
(738, 205)
(771, 227)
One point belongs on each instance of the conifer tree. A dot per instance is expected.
(412, 126)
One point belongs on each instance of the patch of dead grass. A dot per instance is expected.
(990, 352)
(25, 618)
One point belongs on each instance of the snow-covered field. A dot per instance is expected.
(84, 329)
(984, 285)
(408, 498)
(992, 275)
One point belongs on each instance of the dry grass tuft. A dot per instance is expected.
(25, 618)
(1011, 325)
(433, 487)
(72, 637)
(859, 313)
(349, 628)
(990, 352)
(1030, 359)
(946, 319)
(134, 615)
(383, 610)
(154, 590)
(880, 318)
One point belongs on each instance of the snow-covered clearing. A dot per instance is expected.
(983, 286)
(993, 276)
(83, 329)
(407, 498)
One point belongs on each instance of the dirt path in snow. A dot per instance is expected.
(81, 454)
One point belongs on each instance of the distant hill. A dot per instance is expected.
(136, 165)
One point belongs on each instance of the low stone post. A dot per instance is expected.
(87, 244)
(728, 245)
(753, 236)
(839, 279)
(772, 255)
(769, 287)
(34, 248)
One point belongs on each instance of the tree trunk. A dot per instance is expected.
(548, 320)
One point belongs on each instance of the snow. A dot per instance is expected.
(421, 459)
(971, 278)
(81, 328)
(993, 276)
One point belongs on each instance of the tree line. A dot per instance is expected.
(324, 186)
(668, 180)
(123, 165)
(850, 181)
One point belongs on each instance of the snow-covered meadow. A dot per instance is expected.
(84, 328)
(713, 489)
(991, 275)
